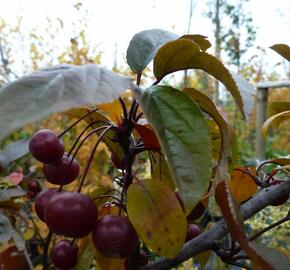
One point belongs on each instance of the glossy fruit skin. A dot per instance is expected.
(41, 201)
(64, 255)
(193, 230)
(115, 236)
(45, 146)
(61, 172)
(70, 214)
(33, 188)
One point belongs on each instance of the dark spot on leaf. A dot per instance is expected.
(149, 234)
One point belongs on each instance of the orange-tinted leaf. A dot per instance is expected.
(242, 185)
(201, 40)
(230, 211)
(282, 49)
(157, 216)
(148, 136)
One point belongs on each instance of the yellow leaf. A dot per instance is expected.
(242, 185)
(28, 234)
(201, 40)
(157, 217)
(282, 49)
(113, 110)
(275, 120)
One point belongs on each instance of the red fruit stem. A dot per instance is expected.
(82, 133)
(92, 153)
(76, 122)
(125, 112)
(45, 250)
(80, 145)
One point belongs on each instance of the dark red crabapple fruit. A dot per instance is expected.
(62, 172)
(33, 188)
(41, 201)
(64, 255)
(193, 230)
(115, 236)
(45, 146)
(71, 214)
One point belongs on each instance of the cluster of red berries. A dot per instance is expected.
(73, 214)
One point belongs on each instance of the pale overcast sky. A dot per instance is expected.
(114, 21)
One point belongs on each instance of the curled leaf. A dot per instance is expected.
(282, 49)
(184, 54)
(275, 120)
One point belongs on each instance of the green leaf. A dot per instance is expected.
(9, 193)
(276, 258)
(207, 105)
(160, 170)
(13, 151)
(157, 217)
(6, 230)
(275, 120)
(282, 49)
(143, 47)
(184, 137)
(201, 40)
(184, 54)
(56, 89)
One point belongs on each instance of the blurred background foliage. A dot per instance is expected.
(231, 42)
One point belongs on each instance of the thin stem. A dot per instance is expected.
(76, 122)
(45, 250)
(138, 81)
(125, 112)
(33, 223)
(80, 145)
(275, 224)
(82, 133)
(256, 179)
(92, 156)
(108, 196)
